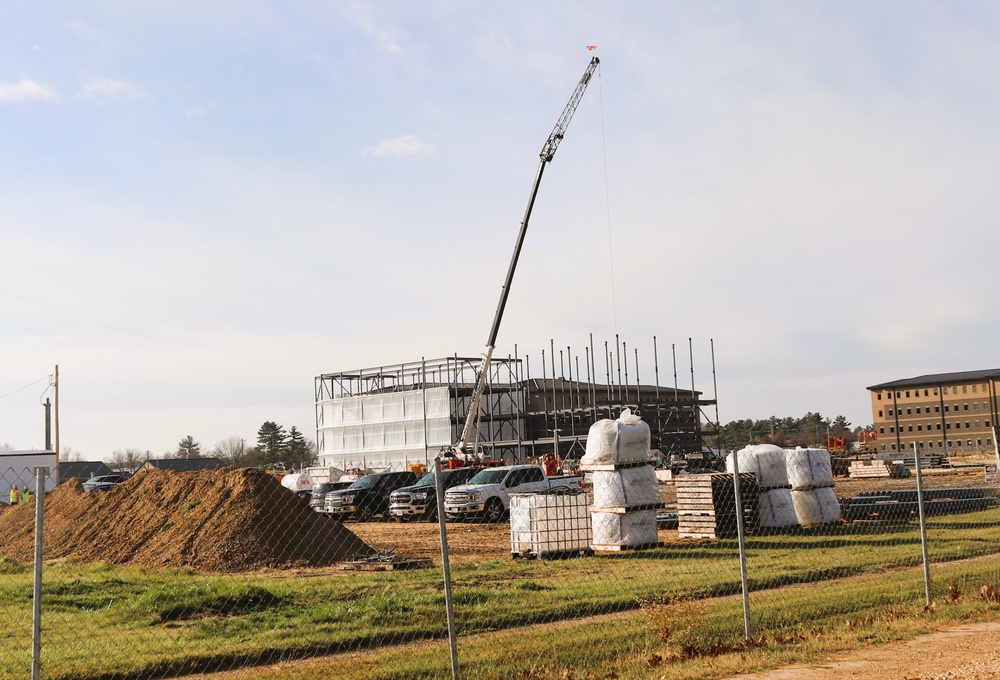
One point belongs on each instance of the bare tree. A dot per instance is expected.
(235, 451)
(68, 455)
(127, 459)
(7, 446)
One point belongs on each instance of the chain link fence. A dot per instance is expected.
(618, 569)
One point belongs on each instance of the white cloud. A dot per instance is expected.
(24, 91)
(407, 145)
(199, 111)
(108, 88)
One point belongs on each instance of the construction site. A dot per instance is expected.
(403, 414)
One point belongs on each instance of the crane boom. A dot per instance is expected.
(546, 155)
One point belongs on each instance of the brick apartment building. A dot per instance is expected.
(944, 412)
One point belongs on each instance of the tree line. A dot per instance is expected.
(809, 430)
(276, 448)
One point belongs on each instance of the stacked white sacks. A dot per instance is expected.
(775, 500)
(625, 485)
(811, 477)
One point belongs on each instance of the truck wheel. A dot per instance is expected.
(365, 513)
(432, 514)
(493, 512)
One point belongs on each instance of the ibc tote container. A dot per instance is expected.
(549, 524)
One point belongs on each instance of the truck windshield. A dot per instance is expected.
(489, 477)
(366, 482)
(426, 480)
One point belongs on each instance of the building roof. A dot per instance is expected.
(940, 379)
(186, 464)
(83, 469)
(546, 384)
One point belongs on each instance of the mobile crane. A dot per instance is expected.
(546, 155)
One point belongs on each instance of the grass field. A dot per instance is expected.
(671, 607)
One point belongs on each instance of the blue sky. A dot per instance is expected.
(205, 205)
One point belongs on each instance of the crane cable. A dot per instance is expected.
(607, 203)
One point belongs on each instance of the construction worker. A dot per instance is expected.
(25, 495)
(15, 495)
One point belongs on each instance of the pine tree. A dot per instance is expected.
(188, 448)
(272, 440)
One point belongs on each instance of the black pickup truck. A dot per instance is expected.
(420, 500)
(366, 497)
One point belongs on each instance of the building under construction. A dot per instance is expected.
(393, 416)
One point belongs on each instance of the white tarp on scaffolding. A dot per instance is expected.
(377, 430)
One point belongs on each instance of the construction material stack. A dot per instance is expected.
(810, 475)
(774, 501)
(549, 524)
(706, 505)
(626, 493)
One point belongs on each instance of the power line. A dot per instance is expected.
(48, 377)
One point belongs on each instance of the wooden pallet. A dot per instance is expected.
(706, 505)
(623, 509)
(396, 565)
(625, 548)
(878, 468)
(614, 467)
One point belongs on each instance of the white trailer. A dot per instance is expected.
(17, 468)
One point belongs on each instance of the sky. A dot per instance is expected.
(204, 205)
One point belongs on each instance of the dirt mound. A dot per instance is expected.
(213, 520)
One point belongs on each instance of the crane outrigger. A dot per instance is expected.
(545, 156)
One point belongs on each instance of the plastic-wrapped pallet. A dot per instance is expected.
(766, 461)
(776, 509)
(624, 440)
(625, 488)
(808, 468)
(549, 524)
(747, 460)
(816, 506)
(630, 529)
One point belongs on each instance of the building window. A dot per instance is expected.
(893, 446)
(987, 423)
(879, 414)
(920, 428)
(918, 410)
(948, 426)
(909, 428)
(935, 392)
(881, 430)
(970, 443)
(977, 424)
(879, 395)
(965, 389)
(974, 387)
(946, 409)
(949, 443)
(898, 395)
(975, 406)
(965, 407)
(989, 443)
(954, 390)
(967, 425)
(937, 426)
(925, 393)
(907, 394)
(909, 411)
(937, 409)
(891, 430)
(979, 442)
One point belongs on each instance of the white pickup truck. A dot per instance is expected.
(488, 493)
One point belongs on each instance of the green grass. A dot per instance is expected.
(104, 621)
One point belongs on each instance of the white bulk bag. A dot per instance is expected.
(818, 506)
(629, 529)
(808, 468)
(625, 440)
(776, 509)
(625, 488)
(747, 460)
(771, 471)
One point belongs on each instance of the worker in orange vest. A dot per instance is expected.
(15, 496)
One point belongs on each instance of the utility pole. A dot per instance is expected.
(57, 413)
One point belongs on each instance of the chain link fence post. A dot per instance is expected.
(36, 615)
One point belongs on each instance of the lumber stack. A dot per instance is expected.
(706, 505)
(877, 468)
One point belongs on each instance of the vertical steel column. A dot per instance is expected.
(923, 524)
(36, 610)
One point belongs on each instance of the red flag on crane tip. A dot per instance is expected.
(591, 47)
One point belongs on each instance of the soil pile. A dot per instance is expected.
(213, 520)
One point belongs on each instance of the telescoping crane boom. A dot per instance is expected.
(548, 151)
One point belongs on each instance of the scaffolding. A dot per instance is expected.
(393, 416)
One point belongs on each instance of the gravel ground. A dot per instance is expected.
(967, 653)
